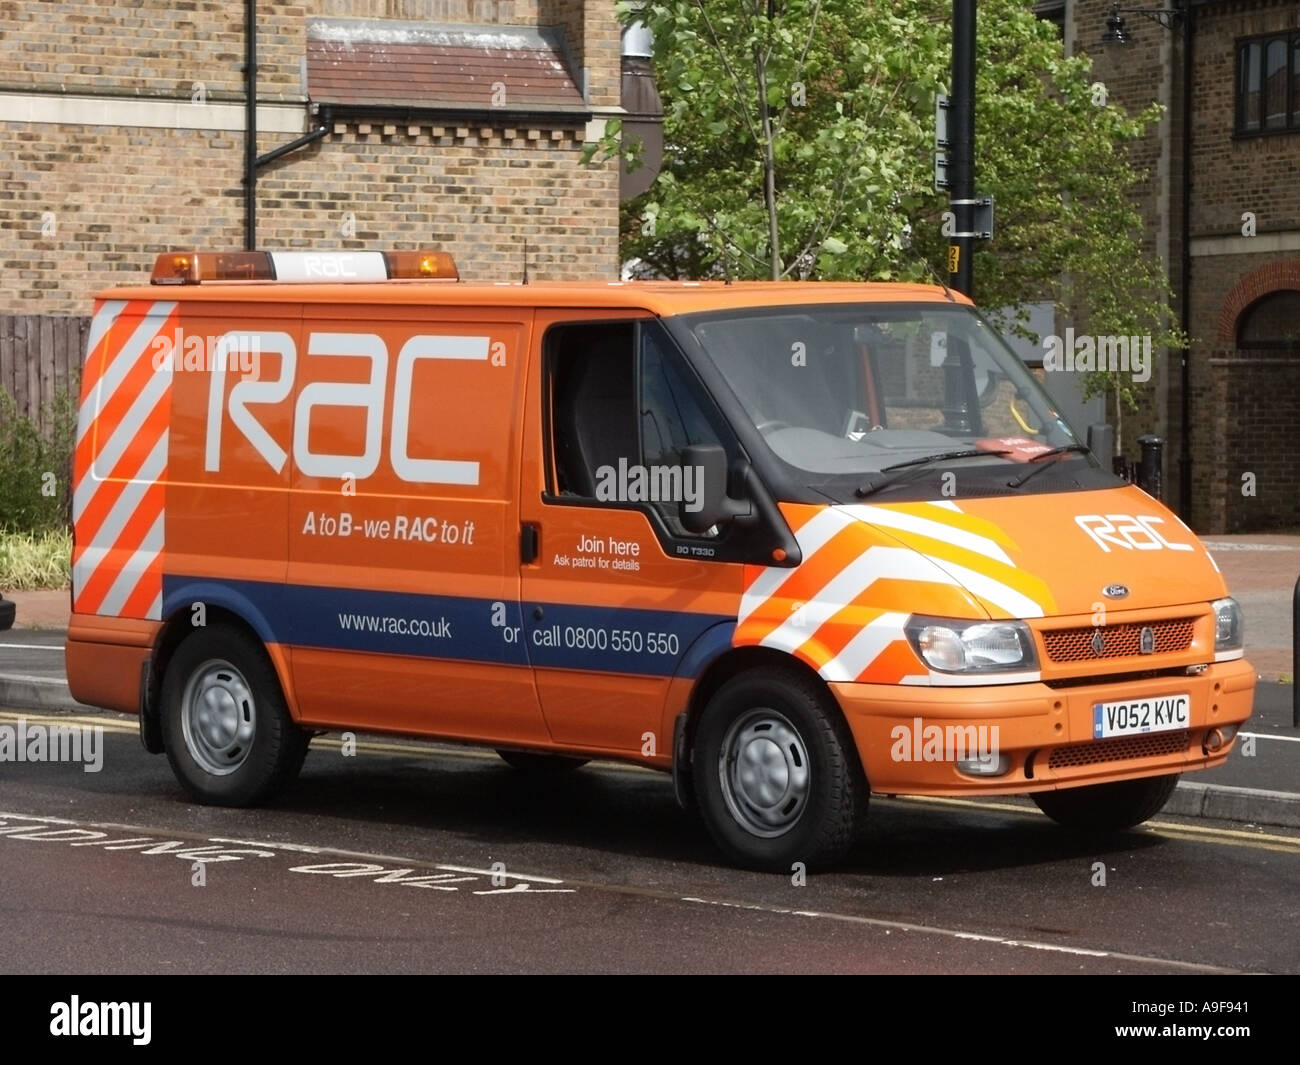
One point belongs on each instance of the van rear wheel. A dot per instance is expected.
(777, 774)
(225, 724)
(1107, 807)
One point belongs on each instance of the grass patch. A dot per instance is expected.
(29, 561)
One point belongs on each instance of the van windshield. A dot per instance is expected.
(843, 393)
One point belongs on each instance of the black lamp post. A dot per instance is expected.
(1179, 18)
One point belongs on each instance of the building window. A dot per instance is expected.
(1268, 84)
(1052, 11)
(1271, 322)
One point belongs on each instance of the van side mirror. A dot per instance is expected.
(704, 468)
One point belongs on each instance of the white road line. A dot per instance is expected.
(869, 922)
(952, 933)
(1268, 736)
(33, 646)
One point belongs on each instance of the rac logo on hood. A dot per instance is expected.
(1132, 532)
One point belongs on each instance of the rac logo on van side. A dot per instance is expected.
(1132, 532)
(369, 396)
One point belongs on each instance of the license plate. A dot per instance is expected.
(1131, 717)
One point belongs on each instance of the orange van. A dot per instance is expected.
(793, 543)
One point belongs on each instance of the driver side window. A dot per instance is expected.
(621, 418)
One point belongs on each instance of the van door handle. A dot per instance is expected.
(529, 543)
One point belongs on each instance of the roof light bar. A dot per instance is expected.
(197, 267)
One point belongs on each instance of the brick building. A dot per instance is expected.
(456, 124)
(1240, 267)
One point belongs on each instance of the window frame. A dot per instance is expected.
(1291, 108)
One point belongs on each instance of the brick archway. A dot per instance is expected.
(1275, 277)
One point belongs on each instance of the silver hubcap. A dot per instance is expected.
(763, 768)
(218, 717)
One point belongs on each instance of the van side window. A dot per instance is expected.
(608, 406)
(593, 402)
(671, 420)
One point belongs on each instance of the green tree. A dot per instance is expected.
(799, 139)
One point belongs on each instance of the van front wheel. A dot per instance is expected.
(777, 774)
(1107, 807)
(225, 725)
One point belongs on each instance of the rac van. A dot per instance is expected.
(794, 544)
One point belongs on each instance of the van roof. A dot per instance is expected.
(662, 298)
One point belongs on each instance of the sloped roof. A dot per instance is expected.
(381, 62)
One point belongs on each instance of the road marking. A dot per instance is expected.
(33, 646)
(405, 863)
(979, 937)
(1268, 736)
(1221, 836)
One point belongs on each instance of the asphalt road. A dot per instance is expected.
(414, 858)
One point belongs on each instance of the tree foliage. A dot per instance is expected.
(799, 140)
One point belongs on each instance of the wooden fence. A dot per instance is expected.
(40, 354)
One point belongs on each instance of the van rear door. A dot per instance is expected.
(404, 520)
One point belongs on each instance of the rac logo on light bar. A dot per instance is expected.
(1132, 532)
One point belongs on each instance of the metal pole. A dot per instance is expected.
(250, 125)
(962, 148)
(1185, 286)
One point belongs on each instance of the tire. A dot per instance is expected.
(1107, 807)
(777, 776)
(541, 764)
(225, 725)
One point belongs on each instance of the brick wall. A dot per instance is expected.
(1242, 418)
(117, 195)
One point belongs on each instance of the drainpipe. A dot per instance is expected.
(250, 125)
(1185, 296)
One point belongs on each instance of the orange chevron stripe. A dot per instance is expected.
(895, 662)
(96, 588)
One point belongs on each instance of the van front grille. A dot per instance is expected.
(1171, 636)
(1123, 748)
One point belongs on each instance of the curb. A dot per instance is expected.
(1221, 802)
(37, 693)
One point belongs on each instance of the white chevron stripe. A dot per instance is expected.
(105, 537)
(101, 324)
(899, 563)
(863, 649)
(134, 569)
(124, 432)
(1013, 602)
(937, 530)
(154, 613)
(115, 372)
(812, 537)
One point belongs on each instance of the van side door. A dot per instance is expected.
(616, 593)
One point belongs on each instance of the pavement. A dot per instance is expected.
(1259, 785)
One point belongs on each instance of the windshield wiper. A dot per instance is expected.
(970, 453)
(1064, 449)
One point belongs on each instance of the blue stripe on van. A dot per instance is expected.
(565, 636)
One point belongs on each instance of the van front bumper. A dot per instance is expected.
(1046, 732)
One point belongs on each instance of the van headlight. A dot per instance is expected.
(953, 645)
(1227, 624)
